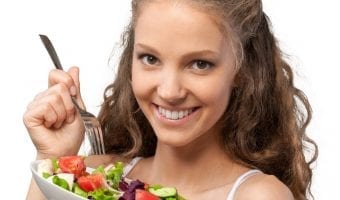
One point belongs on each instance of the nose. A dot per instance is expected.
(170, 88)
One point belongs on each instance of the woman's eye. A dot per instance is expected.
(202, 65)
(148, 59)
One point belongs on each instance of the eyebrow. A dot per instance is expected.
(203, 52)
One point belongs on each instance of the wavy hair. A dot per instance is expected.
(265, 123)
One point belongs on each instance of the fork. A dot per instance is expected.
(92, 126)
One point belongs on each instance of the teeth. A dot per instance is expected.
(168, 114)
(180, 114)
(174, 115)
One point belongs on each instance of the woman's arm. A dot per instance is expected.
(34, 192)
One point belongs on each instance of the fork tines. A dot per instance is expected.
(94, 132)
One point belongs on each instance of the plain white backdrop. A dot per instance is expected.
(85, 33)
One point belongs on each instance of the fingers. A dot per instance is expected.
(44, 114)
(57, 100)
(58, 76)
(70, 79)
(54, 107)
(74, 73)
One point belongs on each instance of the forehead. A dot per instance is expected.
(178, 22)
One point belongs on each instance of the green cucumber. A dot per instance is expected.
(163, 192)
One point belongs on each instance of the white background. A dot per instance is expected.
(85, 33)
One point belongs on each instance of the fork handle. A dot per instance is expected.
(51, 51)
(54, 56)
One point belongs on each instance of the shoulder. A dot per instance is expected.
(263, 187)
(94, 161)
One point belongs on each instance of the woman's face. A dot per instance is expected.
(182, 71)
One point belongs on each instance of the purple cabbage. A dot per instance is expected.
(130, 189)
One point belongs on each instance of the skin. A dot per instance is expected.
(192, 70)
(51, 117)
(179, 77)
(165, 74)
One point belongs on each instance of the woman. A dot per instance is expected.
(202, 101)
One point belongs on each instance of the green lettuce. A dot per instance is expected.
(114, 175)
(77, 190)
(101, 194)
(60, 182)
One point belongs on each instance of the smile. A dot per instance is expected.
(175, 114)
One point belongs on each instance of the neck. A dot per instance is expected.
(199, 162)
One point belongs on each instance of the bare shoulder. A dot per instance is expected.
(94, 161)
(263, 187)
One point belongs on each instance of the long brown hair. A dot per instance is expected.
(265, 123)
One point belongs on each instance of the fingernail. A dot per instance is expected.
(73, 90)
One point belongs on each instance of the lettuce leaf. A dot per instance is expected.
(101, 194)
(55, 164)
(100, 170)
(46, 175)
(77, 190)
(114, 175)
(60, 182)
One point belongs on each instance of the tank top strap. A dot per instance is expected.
(130, 166)
(239, 181)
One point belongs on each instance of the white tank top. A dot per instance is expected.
(232, 192)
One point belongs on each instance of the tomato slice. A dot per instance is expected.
(72, 164)
(91, 182)
(145, 195)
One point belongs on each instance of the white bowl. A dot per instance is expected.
(50, 190)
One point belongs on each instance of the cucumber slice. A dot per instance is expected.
(163, 192)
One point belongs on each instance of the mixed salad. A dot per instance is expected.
(103, 183)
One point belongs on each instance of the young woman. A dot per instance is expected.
(203, 101)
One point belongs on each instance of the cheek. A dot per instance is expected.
(218, 99)
(215, 92)
(136, 81)
(142, 84)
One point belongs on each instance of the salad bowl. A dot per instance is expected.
(68, 178)
(50, 190)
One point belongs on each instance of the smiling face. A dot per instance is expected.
(182, 71)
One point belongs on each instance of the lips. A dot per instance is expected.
(175, 114)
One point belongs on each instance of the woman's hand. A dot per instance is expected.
(52, 120)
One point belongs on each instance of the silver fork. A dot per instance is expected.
(91, 123)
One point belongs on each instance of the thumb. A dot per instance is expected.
(74, 73)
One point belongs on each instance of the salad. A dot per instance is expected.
(103, 183)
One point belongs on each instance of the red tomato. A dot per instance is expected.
(91, 182)
(72, 164)
(145, 195)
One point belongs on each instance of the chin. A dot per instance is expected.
(175, 139)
